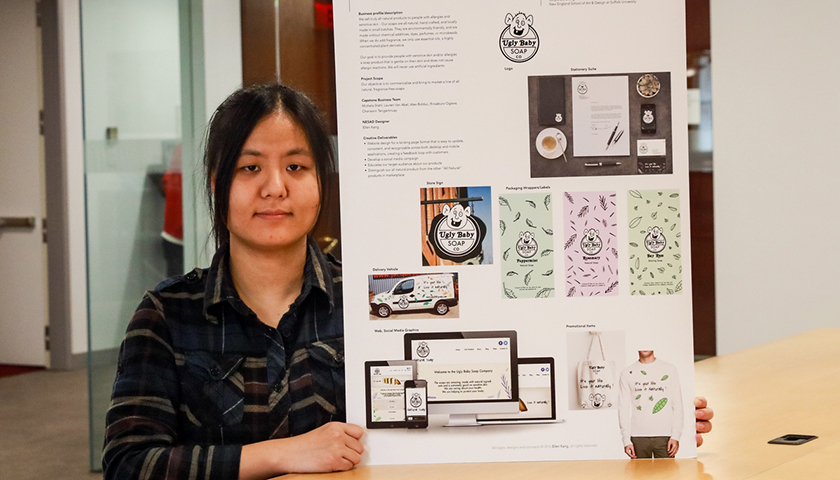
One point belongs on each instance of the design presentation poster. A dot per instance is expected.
(508, 172)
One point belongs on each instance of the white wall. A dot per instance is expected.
(131, 75)
(215, 71)
(70, 66)
(222, 76)
(776, 88)
(222, 51)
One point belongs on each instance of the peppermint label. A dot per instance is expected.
(527, 238)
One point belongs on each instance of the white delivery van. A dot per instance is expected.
(434, 291)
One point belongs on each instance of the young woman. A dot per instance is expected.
(237, 370)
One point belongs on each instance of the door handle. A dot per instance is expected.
(17, 222)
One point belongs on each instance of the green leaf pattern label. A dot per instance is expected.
(654, 242)
(527, 236)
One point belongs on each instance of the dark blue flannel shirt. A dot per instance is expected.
(199, 375)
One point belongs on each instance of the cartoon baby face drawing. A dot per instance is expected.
(519, 24)
(456, 217)
(654, 232)
(455, 233)
(655, 240)
(597, 400)
(591, 243)
(526, 237)
(527, 245)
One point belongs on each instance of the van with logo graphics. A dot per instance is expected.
(437, 292)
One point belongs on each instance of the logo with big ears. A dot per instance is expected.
(519, 41)
(456, 234)
(655, 240)
(591, 243)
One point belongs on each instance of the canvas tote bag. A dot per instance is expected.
(596, 379)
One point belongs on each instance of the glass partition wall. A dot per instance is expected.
(133, 134)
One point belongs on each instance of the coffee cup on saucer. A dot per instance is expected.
(551, 143)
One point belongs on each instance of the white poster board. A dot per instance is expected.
(496, 208)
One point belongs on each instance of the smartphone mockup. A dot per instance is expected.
(648, 114)
(416, 415)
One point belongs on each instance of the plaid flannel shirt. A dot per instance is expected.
(199, 375)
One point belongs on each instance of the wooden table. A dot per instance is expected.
(787, 386)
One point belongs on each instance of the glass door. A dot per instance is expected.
(132, 122)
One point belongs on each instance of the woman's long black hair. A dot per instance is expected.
(232, 124)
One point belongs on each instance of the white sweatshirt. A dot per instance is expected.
(650, 402)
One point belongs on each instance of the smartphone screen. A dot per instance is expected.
(415, 404)
(648, 117)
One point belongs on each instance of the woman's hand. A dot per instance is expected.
(329, 448)
(704, 415)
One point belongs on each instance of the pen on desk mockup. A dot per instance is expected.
(602, 164)
(609, 142)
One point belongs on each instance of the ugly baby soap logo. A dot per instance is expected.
(526, 247)
(423, 350)
(519, 41)
(591, 243)
(655, 240)
(456, 234)
(582, 88)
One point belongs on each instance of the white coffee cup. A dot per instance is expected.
(550, 142)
